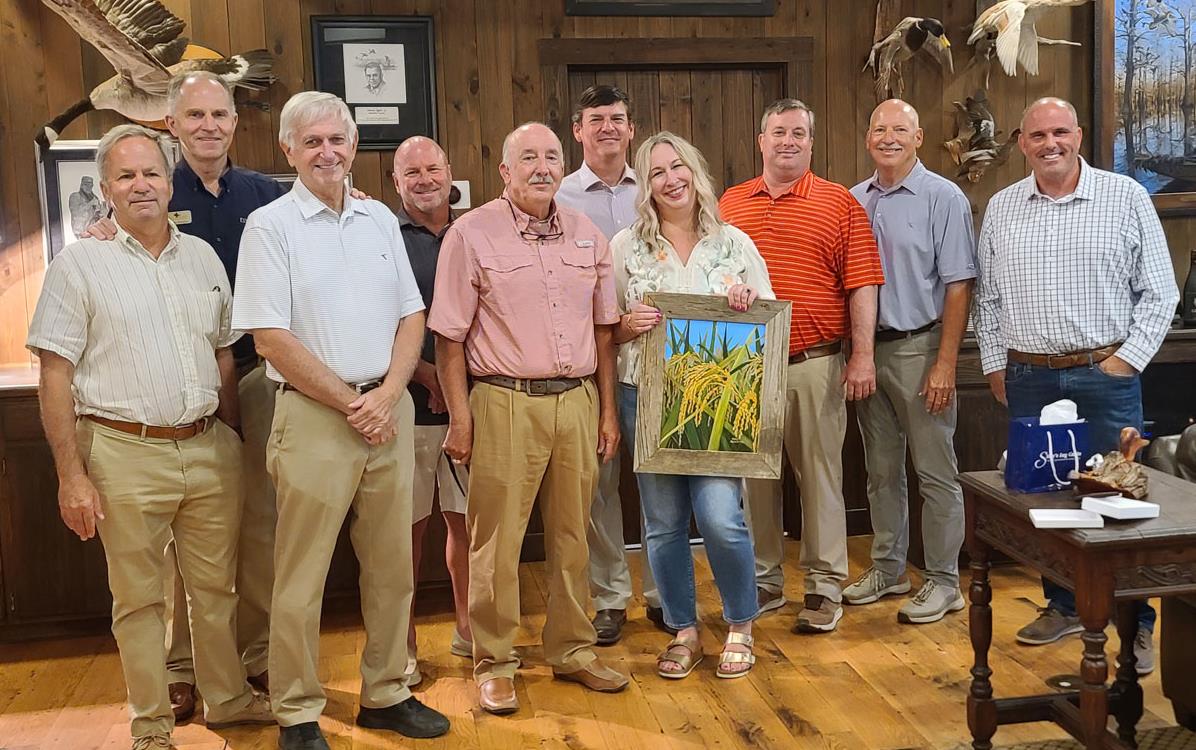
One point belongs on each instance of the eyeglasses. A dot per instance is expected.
(529, 236)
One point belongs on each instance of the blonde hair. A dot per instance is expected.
(706, 218)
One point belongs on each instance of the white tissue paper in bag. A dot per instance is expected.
(1062, 411)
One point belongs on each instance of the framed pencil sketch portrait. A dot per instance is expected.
(384, 68)
(712, 388)
(69, 187)
(1141, 126)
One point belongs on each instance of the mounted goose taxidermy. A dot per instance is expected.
(1008, 30)
(142, 40)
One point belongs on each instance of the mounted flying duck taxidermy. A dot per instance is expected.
(1008, 30)
(975, 148)
(910, 36)
(142, 40)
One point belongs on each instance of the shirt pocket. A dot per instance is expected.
(509, 280)
(579, 275)
(203, 309)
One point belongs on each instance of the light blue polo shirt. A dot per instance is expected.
(923, 226)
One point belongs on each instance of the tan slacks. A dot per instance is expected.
(526, 447)
(324, 470)
(815, 424)
(610, 578)
(255, 549)
(150, 491)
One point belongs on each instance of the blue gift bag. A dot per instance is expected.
(1039, 456)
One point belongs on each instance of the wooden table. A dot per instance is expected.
(1108, 569)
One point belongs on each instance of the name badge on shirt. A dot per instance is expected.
(180, 217)
(584, 243)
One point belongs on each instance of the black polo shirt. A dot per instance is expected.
(423, 250)
(220, 220)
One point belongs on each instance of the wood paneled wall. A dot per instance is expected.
(488, 80)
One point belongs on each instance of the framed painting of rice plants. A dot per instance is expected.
(712, 388)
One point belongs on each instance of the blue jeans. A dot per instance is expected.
(1107, 402)
(668, 502)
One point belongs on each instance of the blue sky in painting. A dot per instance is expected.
(736, 333)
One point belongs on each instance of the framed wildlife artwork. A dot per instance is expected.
(384, 68)
(1142, 126)
(69, 187)
(712, 388)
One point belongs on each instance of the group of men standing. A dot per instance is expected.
(161, 420)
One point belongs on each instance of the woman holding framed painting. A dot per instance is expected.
(679, 244)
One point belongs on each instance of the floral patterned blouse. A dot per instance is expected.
(718, 262)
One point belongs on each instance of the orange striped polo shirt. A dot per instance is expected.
(818, 245)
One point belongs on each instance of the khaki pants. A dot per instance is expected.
(255, 550)
(526, 447)
(323, 470)
(152, 491)
(815, 423)
(894, 417)
(610, 578)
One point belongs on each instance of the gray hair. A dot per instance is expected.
(129, 130)
(510, 140)
(786, 105)
(1049, 100)
(307, 107)
(174, 91)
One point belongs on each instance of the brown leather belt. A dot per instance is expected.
(365, 387)
(889, 334)
(816, 351)
(1084, 358)
(181, 432)
(542, 387)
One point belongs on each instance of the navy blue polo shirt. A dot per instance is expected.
(220, 220)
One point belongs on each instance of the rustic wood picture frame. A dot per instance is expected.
(765, 463)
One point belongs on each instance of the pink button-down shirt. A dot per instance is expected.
(524, 295)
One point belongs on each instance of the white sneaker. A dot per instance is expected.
(872, 586)
(257, 712)
(931, 602)
(1144, 651)
(153, 742)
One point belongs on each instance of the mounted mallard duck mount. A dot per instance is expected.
(142, 40)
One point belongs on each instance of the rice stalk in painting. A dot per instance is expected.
(712, 377)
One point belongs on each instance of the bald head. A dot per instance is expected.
(422, 177)
(893, 110)
(532, 167)
(893, 139)
(1050, 105)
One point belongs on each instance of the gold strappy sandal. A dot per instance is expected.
(685, 654)
(736, 657)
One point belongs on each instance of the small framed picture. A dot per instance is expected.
(69, 186)
(384, 68)
(712, 388)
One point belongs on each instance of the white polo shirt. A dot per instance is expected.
(340, 284)
(141, 333)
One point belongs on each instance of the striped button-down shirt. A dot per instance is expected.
(141, 333)
(1080, 272)
(611, 208)
(340, 283)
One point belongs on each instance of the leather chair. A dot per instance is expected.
(1177, 648)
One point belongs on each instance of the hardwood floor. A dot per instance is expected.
(872, 684)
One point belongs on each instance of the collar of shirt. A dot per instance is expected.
(801, 188)
(191, 179)
(911, 183)
(310, 205)
(526, 223)
(132, 244)
(1085, 188)
(405, 220)
(592, 181)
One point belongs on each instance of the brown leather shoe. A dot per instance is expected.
(182, 700)
(260, 682)
(595, 676)
(497, 696)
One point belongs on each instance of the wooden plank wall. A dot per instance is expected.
(487, 81)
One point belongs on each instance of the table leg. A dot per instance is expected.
(1094, 668)
(982, 711)
(1129, 692)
